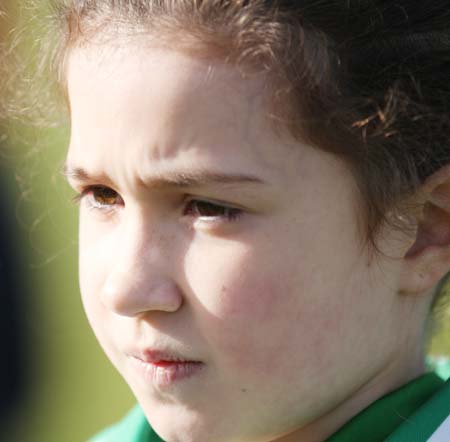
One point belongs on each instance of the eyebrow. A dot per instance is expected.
(177, 179)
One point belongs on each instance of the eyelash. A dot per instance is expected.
(228, 213)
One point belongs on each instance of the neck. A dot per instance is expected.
(392, 376)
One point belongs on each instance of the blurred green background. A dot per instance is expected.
(72, 391)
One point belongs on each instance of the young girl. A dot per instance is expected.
(264, 196)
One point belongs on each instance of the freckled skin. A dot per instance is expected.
(293, 327)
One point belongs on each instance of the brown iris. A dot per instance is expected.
(105, 196)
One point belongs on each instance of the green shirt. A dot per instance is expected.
(132, 428)
(394, 415)
(413, 413)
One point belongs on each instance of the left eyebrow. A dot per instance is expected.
(178, 179)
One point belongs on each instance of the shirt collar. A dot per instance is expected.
(380, 419)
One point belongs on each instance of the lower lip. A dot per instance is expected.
(165, 373)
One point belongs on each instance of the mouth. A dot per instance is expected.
(164, 368)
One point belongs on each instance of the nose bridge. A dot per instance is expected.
(140, 276)
(141, 242)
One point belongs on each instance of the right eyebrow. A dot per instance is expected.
(176, 179)
(79, 174)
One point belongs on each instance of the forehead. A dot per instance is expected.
(140, 78)
(161, 103)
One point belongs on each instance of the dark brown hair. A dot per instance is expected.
(367, 80)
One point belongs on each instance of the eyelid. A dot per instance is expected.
(231, 214)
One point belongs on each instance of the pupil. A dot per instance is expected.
(208, 209)
(105, 195)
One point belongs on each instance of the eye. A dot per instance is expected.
(100, 197)
(213, 211)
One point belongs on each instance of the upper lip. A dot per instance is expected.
(153, 356)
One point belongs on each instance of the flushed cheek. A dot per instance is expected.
(251, 321)
(265, 324)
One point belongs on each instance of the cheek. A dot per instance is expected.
(98, 248)
(233, 284)
(248, 308)
(258, 314)
(108, 330)
(92, 263)
(89, 288)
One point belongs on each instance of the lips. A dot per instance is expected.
(164, 368)
(156, 357)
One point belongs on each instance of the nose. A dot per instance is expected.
(140, 277)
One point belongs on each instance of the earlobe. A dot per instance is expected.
(428, 259)
(424, 270)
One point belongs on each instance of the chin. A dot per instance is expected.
(176, 427)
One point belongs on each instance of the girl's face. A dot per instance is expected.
(221, 265)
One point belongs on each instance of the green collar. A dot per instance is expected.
(132, 428)
(379, 420)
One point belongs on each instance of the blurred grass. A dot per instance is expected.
(439, 344)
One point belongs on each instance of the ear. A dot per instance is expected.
(428, 259)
